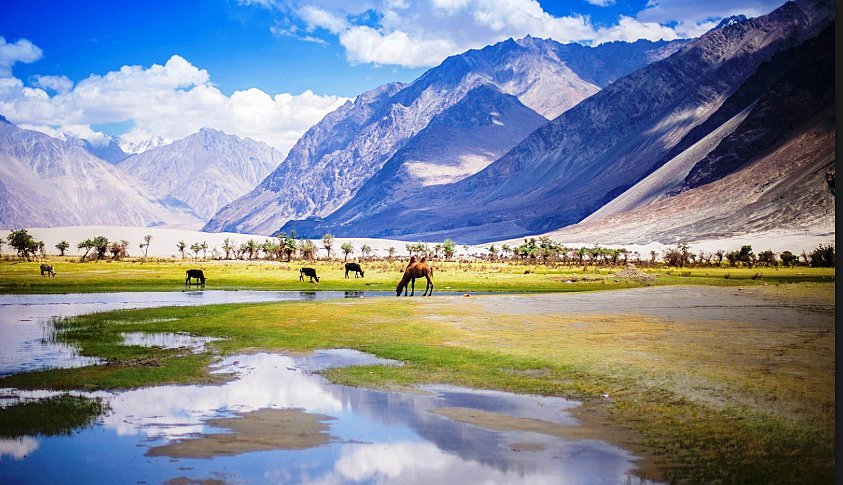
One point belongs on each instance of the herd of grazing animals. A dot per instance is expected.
(415, 269)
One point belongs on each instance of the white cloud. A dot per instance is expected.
(20, 51)
(425, 32)
(59, 84)
(629, 29)
(171, 100)
(316, 17)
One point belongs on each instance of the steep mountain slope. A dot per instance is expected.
(789, 118)
(331, 161)
(46, 182)
(457, 143)
(784, 192)
(203, 171)
(575, 164)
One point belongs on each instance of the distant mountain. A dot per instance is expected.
(46, 182)
(204, 171)
(333, 160)
(132, 147)
(107, 148)
(572, 166)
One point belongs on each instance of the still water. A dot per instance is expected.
(26, 321)
(369, 436)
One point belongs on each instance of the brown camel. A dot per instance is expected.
(415, 270)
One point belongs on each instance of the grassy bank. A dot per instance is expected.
(706, 400)
(18, 277)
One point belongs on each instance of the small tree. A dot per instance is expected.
(145, 244)
(493, 252)
(347, 248)
(437, 249)
(678, 256)
(100, 245)
(196, 247)
(307, 249)
(181, 245)
(449, 247)
(288, 245)
(227, 247)
(23, 243)
(118, 249)
(251, 248)
(328, 243)
(62, 246)
(87, 245)
(42, 249)
(390, 251)
(506, 250)
(746, 256)
(788, 259)
(823, 256)
(767, 258)
(270, 248)
(366, 250)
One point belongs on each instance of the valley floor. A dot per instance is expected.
(709, 373)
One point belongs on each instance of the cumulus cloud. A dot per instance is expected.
(20, 51)
(423, 33)
(59, 84)
(172, 101)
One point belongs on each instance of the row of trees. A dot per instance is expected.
(533, 250)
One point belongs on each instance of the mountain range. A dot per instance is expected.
(46, 181)
(334, 159)
(729, 133)
(569, 168)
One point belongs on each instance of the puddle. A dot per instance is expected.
(167, 340)
(27, 321)
(345, 434)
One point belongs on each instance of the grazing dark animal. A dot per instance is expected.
(308, 272)
(415, 270)
(47, 269)
(195, 274)
(353, 267)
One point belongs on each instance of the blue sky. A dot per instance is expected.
(279, 59)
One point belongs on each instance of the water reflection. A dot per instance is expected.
(27, 321)
(379, 437)
(167, 340)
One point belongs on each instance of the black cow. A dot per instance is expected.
(47, 269)
(308, 272)
(197, 274)
(353, 267)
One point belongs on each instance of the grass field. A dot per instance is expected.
(17, 277)
(703, 400)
